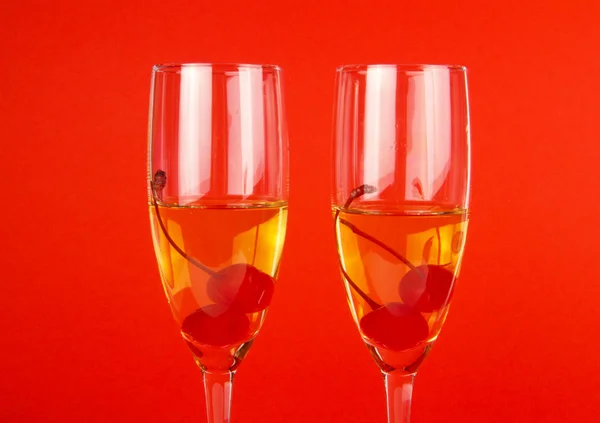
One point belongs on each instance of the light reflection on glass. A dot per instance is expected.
(245, 160)
(195, 133)
(380, 127)
(429, 138)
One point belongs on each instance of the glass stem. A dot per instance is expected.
(399, 387)
(217, 390)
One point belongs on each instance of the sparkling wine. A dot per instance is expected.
(399, 268)
(218, 265)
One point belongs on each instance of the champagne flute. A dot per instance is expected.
(400, 205)
(217, 196)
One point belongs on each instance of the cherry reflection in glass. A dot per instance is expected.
(217, 197)
(400, 206)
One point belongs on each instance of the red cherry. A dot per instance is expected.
(217, 326)
(242, 287)
(394, 326)
(426, 289)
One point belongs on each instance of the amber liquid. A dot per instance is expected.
(216, 237)
(430, 240)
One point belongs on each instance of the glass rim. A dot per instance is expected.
(400, 67)
(217, 66)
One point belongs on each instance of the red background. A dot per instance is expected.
(86, 332)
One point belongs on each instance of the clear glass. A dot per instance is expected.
(217, 197)
(400, 205)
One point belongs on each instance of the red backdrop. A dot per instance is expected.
(86, 332)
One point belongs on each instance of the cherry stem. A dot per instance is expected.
(356, 193)
(192, 260)
(373, 304)
(375, 241)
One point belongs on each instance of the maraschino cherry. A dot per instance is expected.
(236, 290)
(423, 289)
(426, 288)
(216, 325)
(241, 287)
(394, 326)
